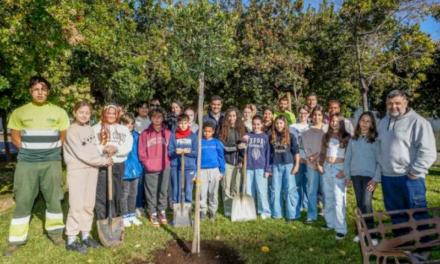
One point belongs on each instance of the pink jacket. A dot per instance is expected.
(153, 149)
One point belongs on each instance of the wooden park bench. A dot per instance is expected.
(398, 248)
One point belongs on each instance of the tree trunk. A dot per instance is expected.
(289, 99)
(196, 235)
(5, 137)
(365, 89)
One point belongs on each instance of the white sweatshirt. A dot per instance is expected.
(120, 137)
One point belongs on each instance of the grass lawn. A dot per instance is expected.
(288, 243)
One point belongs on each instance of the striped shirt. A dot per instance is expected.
(40, 127)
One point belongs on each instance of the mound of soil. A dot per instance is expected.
(211, 252)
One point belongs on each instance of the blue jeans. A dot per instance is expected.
(176, 187)
(313, 178)
(257, 187)
(334, 197)
(401, 193)
(301, 182)
(284, 187)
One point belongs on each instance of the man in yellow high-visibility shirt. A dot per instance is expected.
(283, 109)
(37, 130)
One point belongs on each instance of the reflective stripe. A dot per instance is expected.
(32, 132)
(13, 239)
(47, 145)
(20, 221)
(54, 215)
(18, 231)
(54, 221)
(52, 228)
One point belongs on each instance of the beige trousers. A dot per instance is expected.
(82, 191)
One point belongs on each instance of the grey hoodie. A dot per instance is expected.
(406, 145)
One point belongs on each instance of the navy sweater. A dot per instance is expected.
(188, 142)
(284, 154)
(258, 152)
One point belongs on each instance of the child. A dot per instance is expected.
(192, 117)
(182, 142)
(82, 159)
(268, 119)
(115, 141)
(285, 164)
(176, 110)
(132, 172)
(142, 120)
(213, 169)
(332, 157)
(361, 164)
(249, 111)
(231, 132)
(312, 142)
(258, 166)
(297, 130)
(283, 109)
(153, 154)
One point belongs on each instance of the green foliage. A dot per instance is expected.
(126, 51)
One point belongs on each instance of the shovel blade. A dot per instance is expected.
(110, 233)
(243, 209)
(182, 215)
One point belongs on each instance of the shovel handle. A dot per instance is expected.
(182, 177)
(244, 172)
(110, 182)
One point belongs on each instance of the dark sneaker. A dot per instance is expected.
(154, 220)
(339, 236)
(325, 228)
(57, 240)
(9, 251)
(76, 246)
(163, 218)
(90, 243)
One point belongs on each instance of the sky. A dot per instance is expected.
(428, 25)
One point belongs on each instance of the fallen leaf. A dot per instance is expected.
(265, 249)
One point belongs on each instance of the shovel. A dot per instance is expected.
(182, 211)
(110, 230)
(243, 205)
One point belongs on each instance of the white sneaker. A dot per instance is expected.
(126, 222)
(264, 217)
(135, 221)
(356, 239)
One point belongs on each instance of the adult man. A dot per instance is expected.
(142, 121)
(37, 130)
(283, 109)
(334, 107)
(215, 115)
(407, 149)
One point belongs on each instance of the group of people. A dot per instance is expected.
(290, 163)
